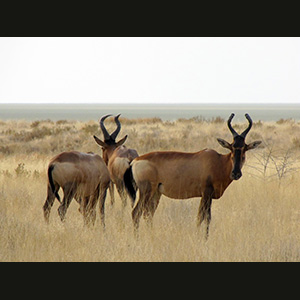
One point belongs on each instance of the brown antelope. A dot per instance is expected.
(83, 176)
(181, 175)
(116, 156)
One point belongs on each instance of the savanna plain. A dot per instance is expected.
(257, 218)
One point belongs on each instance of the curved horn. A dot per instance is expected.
(116, 132)
(249, 127)
(234, 133)
(105, 133)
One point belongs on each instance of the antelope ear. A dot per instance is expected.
(224, 144)
(122, 141)
(99, 142)
(252, 145)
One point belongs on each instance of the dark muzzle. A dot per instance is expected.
(236, 175)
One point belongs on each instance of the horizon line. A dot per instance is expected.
(150, 103)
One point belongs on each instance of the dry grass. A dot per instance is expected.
(257, 219)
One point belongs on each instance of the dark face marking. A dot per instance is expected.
(238, 157)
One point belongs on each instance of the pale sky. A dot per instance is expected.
(150, 70)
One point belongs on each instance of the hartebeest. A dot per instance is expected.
(117, 157)
(83, 176)
(181, 175)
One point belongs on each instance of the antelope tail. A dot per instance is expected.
(130, 184)
(51, 182)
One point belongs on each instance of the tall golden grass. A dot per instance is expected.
(257, 219)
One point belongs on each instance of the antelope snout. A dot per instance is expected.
(236, 175)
